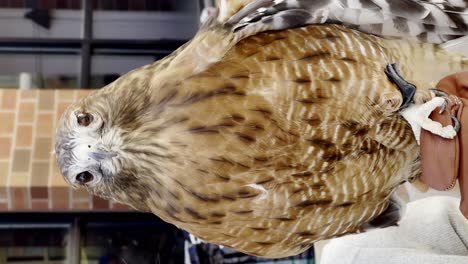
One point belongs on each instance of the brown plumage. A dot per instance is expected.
(266, 144)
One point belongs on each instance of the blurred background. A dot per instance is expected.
(53, 52)
(85, 44)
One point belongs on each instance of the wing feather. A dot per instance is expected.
(434, 21)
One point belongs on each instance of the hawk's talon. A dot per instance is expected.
(443, 108)
(439, 93)
(418, 117)
(456, 124)
(406, 88)
(443, 94)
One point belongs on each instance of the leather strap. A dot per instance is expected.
(441, 156)
(444, 161)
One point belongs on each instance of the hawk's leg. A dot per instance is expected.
(417, 115)
(406, 88)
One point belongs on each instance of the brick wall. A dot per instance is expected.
(29, 177)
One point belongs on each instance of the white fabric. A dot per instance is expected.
(433, 231)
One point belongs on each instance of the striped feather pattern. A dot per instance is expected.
(265, 143)
(427, 21)
(289, 138)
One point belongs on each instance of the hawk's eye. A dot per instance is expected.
(85, 119)
(84, 177)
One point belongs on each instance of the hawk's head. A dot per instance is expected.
(103, 142)
(86, 145)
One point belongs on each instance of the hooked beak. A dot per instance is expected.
(99, 156)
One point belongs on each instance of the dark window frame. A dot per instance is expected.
(87, 46)
(76, 223)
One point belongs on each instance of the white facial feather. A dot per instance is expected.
(93, 139)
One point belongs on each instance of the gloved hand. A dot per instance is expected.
(456, 84)
(444, 161)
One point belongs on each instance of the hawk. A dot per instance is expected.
(275, 126)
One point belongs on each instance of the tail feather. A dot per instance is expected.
(459, 45)
(433, 21)
(390, 217)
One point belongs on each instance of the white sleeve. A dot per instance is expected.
(433, 231)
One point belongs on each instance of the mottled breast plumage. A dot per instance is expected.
(264, 143)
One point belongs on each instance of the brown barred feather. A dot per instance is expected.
(264, 145)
